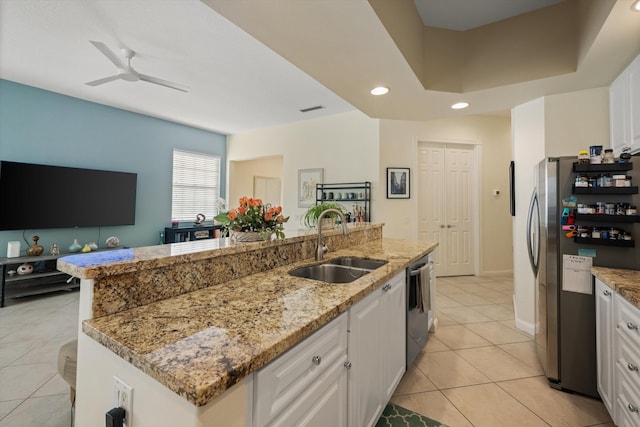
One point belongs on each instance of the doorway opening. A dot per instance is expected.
(258, 178)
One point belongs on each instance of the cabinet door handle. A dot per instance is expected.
(606, 293)
(441, 225)
(632, 367)
(632, 407)
(632, 327)
(347, 364)
(386, 287)
(316, 360)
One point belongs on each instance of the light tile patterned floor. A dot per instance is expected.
(32, 394)
(478, 369)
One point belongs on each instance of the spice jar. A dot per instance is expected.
(608, 156)
(584, 231)
(631, 210)
(583, 157)
(614, 233)
(595, 233)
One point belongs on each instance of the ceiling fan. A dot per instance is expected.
(126, 71)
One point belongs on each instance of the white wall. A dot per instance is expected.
(346, 146)
(528, 129)
(557, 125)
(398, 148)
(576, 120)
(352, 147)
(243, 173)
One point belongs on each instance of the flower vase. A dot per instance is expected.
(246, 236)
(75, 246)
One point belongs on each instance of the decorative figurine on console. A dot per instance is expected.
(112, 242)
(200, 219)
(35, 249)
(25, 269)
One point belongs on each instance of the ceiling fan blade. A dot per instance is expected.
(103, 80)
(161, 82)
(109, 54)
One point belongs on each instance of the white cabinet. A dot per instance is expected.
(377, 350)
(342, 375)
(627, 353)
(624, 107)
(365, 397)
(307, 385)
(604, 344)
(393, 343)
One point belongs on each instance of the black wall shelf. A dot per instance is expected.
(604, 167)
(605, 242)
(607, 218)
(605, 190)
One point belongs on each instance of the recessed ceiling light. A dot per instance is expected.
(636, 6)
(380, 90)
(460, 105)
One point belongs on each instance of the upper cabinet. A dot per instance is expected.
(624, 109)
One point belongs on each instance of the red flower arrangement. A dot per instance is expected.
(253, 215)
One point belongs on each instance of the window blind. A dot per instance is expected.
(196, 185)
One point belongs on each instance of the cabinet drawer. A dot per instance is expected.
(627, 400)
(282, 381)
(628, 320)
(629, 360)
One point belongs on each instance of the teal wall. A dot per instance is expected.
(38, 126)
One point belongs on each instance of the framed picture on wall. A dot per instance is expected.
(398, 183)
(307, 180)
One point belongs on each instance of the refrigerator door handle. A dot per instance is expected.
(533, 205)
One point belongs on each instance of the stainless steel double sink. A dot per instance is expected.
(338, 270)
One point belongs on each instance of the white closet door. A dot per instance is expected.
(446, 214)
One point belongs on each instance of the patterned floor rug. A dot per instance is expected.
(397, 416)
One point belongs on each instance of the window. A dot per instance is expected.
(196, 185)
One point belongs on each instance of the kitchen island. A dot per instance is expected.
(188, 324)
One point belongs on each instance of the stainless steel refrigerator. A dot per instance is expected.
(565, 320)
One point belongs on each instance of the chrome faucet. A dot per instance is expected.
(322, 248)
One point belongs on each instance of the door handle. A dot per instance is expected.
(441, 225)
(533, 204)
(451, 226)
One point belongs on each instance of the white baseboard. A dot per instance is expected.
(527, 327)
(497, 273)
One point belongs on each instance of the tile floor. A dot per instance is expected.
(32, 329)
(476, 370)
(479, 370)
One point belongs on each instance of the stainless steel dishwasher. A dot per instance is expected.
(419, 322)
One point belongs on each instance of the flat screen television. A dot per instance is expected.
(40, 196)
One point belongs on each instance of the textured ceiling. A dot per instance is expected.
(252, 65)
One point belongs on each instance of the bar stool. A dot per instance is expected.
(67, 365)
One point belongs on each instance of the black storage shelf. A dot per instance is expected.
(45, 277)
(323, 190)
(604, 167)
(605, 190)
(192, 233)
(605, 242)
(607, 218)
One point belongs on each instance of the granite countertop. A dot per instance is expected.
(118, 261)
(201, 343)
(625, 282)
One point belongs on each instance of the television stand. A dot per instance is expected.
(45, 277)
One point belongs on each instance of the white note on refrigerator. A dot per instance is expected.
(576, 274)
